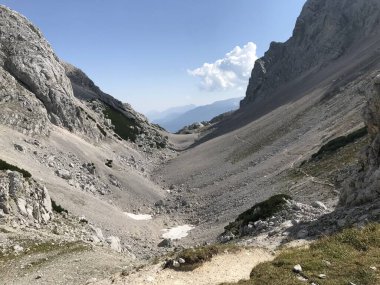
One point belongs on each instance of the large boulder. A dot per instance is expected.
(24, 199)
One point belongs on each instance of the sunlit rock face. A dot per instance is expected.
(34, 86)
(325, 31)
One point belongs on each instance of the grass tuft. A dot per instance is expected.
(344, 257)
(340, 142)
(195, 257)
(259, 211)
(125, 127)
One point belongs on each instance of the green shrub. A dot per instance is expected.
(340, 142)
(6, 166)
(124, 127)
(259, 211)
(161, 144)
(195, 257)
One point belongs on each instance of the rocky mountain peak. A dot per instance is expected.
(325, 31)
(27, 57)
(37, 88)
(125, 121)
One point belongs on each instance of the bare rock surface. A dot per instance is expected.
(28, 62)
(278, 228)
(37, 87)
(24, 199)
(142, 132)
(336, 27)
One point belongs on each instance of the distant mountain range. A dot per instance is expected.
(169, 113)
(174, 119)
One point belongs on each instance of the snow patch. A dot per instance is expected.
(139, 217)
(177, 232)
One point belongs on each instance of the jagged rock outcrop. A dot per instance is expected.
(365, 187)
(36, 87)
(325, 30)
(113, 112)
(28, 66)
(20, 109)
(23, 199)
(85, 89)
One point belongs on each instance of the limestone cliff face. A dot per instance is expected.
(365, 187)
(29, 68)
(37, 88)
(117, 114)
(85, 89)
(325, 30)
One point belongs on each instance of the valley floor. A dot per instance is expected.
(204, 187)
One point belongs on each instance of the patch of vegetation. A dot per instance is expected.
(50, 248)
(54, 250)
(46, 247)
(6, 166)
(195, 257)
(58, 208)
(259, 211)
(161, 144)
(345, 257)
(340, 142)
(125, 127)
(329, 165)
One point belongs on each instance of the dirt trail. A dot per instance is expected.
(227, 267)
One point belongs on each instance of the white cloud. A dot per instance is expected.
(232, 71)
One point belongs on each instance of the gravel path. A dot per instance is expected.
(227, 267)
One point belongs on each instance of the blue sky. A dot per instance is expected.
(152, 53)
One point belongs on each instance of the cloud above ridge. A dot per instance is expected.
(230, 72)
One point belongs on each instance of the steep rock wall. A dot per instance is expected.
(325, 31)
